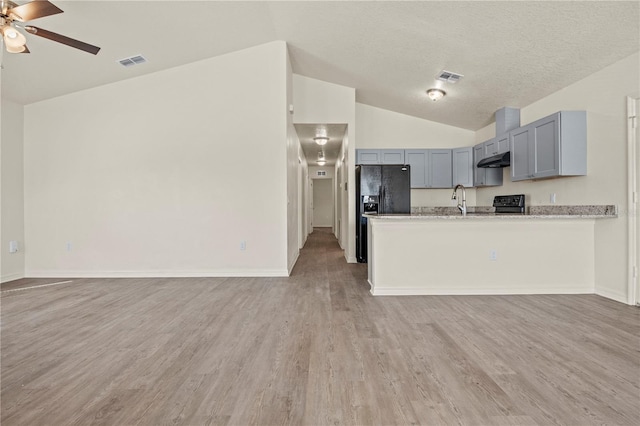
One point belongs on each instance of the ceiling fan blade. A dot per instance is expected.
(63, 39)
(34, 10)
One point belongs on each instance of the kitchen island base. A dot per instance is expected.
(476, 256)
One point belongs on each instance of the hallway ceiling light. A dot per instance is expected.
(436, 94)
(321, 140)
(321, 135)
(321, 162)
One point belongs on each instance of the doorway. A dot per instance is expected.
(323, 203)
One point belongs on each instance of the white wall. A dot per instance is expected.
(330, 171)
(379, 128)
(604, 99)
(163, 175)
(341, 175)
(11, 192)
(316, 101)
(294, 152)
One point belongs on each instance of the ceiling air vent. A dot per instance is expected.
(133, 60)
(449, 77)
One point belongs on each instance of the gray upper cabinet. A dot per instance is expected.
(417, 160)
(439, 168)
(485, 176)
(430, 168)
(520, 154)
(503, 144)
(463, 165)
(392, 156)
(479, 174)
(380, 156)
(495, 146)
(552, 146)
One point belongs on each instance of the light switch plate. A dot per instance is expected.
(13, 246)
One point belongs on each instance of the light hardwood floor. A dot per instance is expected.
(314, 349)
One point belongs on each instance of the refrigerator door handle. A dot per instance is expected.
(381, 201)
(380, 207)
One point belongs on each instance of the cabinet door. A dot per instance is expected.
(368, 156)
(545, 141)
(392, 156)
(439, 169)
(491, 147)
(519, 140)
(417, 159)
(479, 174)
(463, 166)
(502, 144)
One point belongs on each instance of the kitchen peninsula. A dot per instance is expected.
(435, 251)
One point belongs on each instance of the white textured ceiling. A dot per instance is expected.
(511, 53)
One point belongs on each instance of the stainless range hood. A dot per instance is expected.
(496, 161)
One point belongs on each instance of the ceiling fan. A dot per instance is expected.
(13, 15)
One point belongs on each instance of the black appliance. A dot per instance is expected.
(509, 204)
(496, 161)
(381, 190)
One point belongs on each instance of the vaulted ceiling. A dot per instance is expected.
(511, 53)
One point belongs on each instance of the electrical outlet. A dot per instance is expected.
(552, 198)
(243, 245)
(493, 255)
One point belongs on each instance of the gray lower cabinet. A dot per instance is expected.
(380, 156)
(430, 168)
(485, 176)
(552, 146)
(462, 160)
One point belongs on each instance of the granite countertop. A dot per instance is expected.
(485, 212)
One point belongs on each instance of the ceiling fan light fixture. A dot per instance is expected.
(13, 38)
(321, 140)
(18, 49)
(436, 94)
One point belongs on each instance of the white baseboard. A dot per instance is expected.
(400, 291)
(351, 259)
(11, 277)
(159, 274)
(613, 295)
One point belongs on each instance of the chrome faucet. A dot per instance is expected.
(462, 207)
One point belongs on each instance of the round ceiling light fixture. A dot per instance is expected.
(436, 94)
(321, 163)
(321, 140)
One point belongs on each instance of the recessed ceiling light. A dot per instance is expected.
(436, 94)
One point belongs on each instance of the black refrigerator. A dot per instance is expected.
(381, 190)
